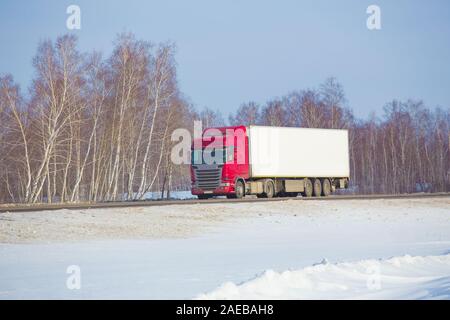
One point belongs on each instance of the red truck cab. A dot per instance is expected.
(219, 160)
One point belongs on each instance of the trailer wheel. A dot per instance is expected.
(326, 187)
(317, 188)
(308, 188)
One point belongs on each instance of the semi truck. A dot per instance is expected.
(269, 162)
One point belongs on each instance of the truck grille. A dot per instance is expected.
(208, 178)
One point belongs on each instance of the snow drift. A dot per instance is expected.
(403, 277)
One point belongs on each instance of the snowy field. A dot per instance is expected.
(290, 249)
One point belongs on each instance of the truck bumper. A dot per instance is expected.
(216, 192)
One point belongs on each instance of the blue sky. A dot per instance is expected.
(229, 52)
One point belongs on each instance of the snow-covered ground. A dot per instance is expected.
(180, 195)
(403, 277)
(217, 250)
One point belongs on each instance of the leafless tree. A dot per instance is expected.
(95, 129)
(247, 113)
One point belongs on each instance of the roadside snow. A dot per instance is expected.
(180, 251)
(403, 277)
(180, 195)
(363, 220)
(157, 195)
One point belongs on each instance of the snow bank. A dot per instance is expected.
(403, 277)
(155, 195)
(178, 195)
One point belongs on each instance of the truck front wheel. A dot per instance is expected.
(239, 189)
(308, 188)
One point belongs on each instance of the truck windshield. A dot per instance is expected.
(212, 155)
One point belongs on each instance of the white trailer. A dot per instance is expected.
(286, 161)
(298, 152)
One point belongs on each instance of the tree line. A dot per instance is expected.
(98, 129)
(92, 129)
